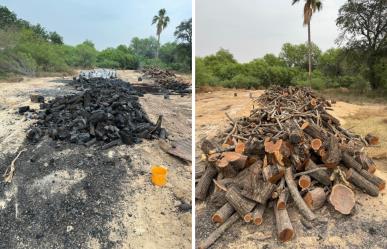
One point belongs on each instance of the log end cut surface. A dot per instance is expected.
(342, 198)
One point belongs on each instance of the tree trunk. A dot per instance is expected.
(309, 56)
(158, 46)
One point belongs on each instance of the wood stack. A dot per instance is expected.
(106, 112)
(167, 79)
(290, 148)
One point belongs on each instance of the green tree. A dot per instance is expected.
(183, 32)
(86, 54)
(298, 55)
(161, 20)
(310, 7)
(7, 17)
(363, 26)
(55, 38)
(145, 47)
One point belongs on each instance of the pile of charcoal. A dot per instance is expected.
(290, 148)
(106, 112)
(167, 79)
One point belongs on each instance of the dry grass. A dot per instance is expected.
(371, 121)
(351, 96)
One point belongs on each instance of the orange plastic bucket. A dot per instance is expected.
(159, 175)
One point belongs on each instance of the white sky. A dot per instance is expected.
(252, 28)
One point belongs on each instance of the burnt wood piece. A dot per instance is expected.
(285, 229)
(223, 213)
(254, 147)
(219, 231)
(204, 183)
(333, 153)
(361, 182)
(241, 204)
(321, 175)
(304, 209)
(315, 198)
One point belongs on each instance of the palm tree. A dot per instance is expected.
(310, 7)
(161, 22)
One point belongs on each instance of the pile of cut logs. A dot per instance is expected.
(290, 148)
(107, 112)
(167, 79)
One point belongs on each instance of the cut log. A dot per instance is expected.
(321, 176)
(258, 214)
(240, 148)
(361, 182)
(314, 131)
(380, 183)
(273, 173)
(254, 147)
(350, 162)
(295, 136)
(342, 198)
(333, 153)
(366, 162)
(329, 118)
(219, 231)
(223, 213)
(284, 226)
(304, 209)
(237, 160)
(204, 183)
(372, 139)
(315, 144)
(260, 192)
(282, 199)
(315, 198)
(304, 182)
(241, 204)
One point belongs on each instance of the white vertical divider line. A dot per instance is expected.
(193, 125)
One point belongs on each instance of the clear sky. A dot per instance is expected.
(106, 23)
(252, 28)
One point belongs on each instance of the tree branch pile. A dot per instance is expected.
(167, 79)
(288, 149)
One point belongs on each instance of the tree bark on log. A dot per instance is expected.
(333, 153)
(367, 163)
(380, 183)
(361, 182)
(285, 230)
(260, 193)
(273, 173)
(321, 176)
(350, 162)
(314, 131)
(304, 209)
(223, 213)
(282, 199)
(315, 198)
(219, 231)
(204, 183)
(241, 204)
(342, 198)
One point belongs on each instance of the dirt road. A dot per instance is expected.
(69, 196)
(365, 228)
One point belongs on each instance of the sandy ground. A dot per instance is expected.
(69, 196)
(365, 228)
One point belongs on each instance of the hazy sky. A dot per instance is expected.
(106, 23)
(252, 28)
